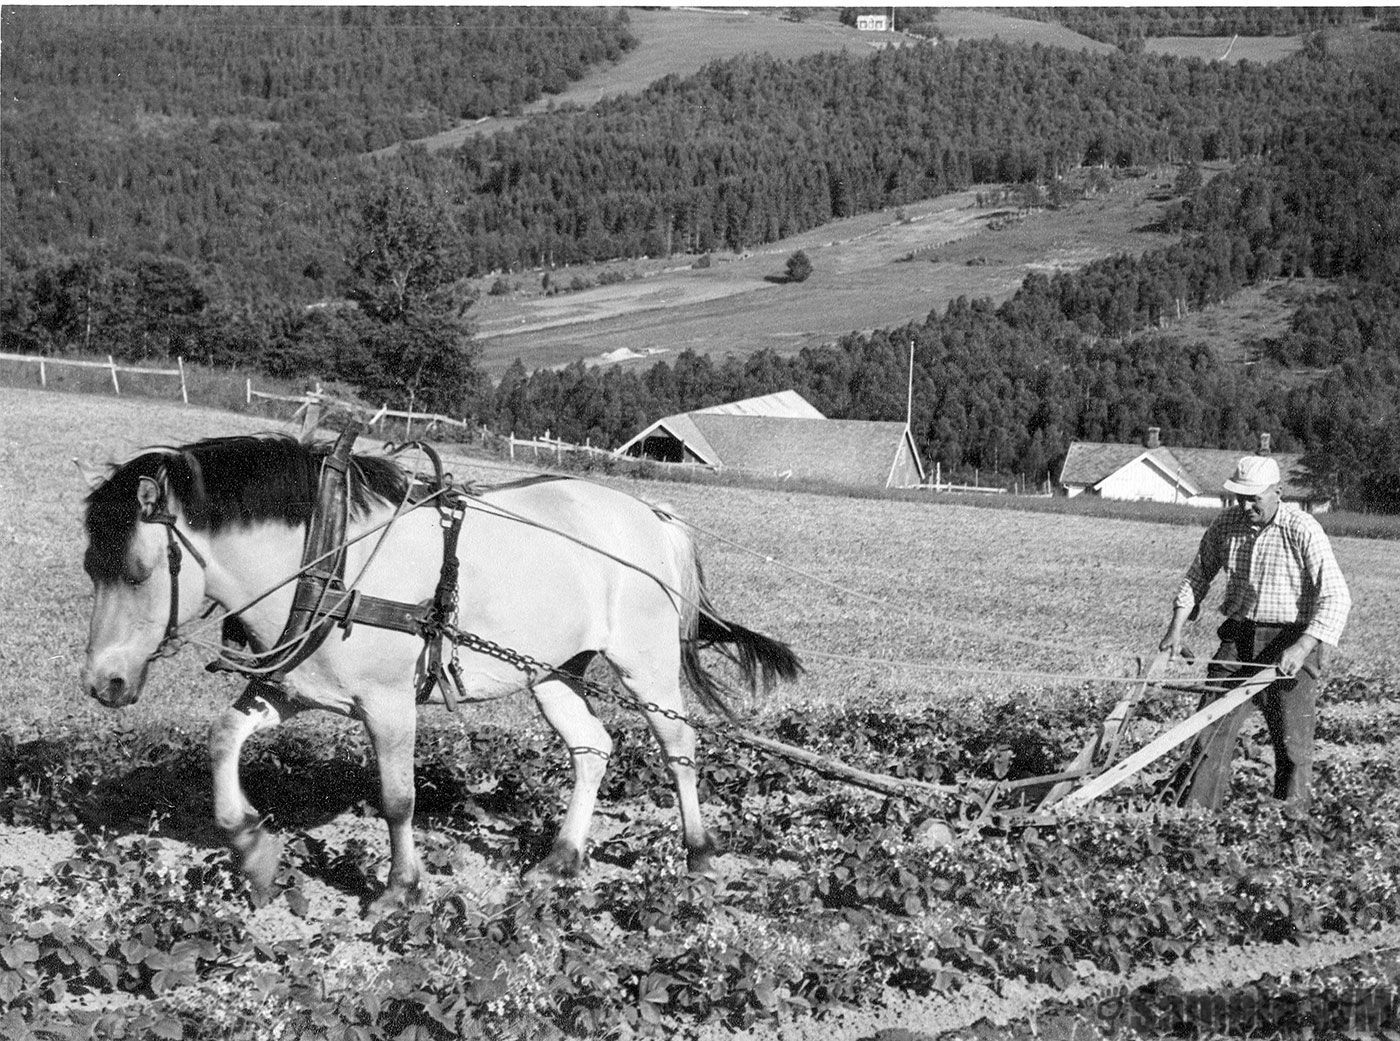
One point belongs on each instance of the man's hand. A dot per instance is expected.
(1293, 656)
(1171, 639)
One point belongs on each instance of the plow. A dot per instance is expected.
(1104, 764)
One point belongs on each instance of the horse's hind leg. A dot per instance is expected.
(661, 688)
(560, 699)
(259, 708)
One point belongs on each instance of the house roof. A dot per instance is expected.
(843, 451)
(1200, 470)
(782, 403)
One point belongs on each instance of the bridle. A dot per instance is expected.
(159, 513)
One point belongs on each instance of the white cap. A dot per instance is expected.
(1254, 475)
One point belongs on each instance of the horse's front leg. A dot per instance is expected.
(259, 708)
(392, 730)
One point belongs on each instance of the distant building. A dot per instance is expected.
(872, 23)
(1152, 472)
(781, 435)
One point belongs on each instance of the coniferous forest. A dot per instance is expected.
(189, 180)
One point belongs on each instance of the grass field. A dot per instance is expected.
(874, 271)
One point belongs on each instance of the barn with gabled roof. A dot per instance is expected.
(783, 436)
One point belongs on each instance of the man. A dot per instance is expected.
(1285, 599)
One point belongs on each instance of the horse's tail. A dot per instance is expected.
(759, 658)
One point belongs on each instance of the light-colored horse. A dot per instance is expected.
(625, 584)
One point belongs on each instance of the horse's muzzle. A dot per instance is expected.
(111, 690)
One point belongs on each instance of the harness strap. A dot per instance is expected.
(321, 601)
(169, 643)
(443, 612)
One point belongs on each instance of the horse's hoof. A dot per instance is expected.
(564, 861)
(395, 898)
(260, 862)
(700, 860)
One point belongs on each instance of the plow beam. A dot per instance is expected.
(894, 786)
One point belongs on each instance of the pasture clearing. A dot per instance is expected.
(828, 905)
(875, 271)
(680, 42)
(1235, 328)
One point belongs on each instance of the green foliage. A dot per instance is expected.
(166, 947)
(799, 267)
(406, 276)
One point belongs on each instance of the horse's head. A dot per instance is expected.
(147, 576)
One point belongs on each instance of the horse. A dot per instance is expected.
(560, 571)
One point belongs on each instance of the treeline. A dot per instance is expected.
(1125, 26)
(744, 153)
(1079, 356)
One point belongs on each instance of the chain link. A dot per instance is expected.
(589, 750)
(535, 669)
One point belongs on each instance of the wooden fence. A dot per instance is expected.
(551, 446)
(110, 365)
(313, 400)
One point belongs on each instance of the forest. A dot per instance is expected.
(209, 196)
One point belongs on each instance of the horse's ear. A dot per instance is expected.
(148, 494)
(91, 476)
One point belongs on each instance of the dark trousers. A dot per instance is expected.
(1289, 707)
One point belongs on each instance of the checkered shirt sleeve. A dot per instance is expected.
(1283, 573)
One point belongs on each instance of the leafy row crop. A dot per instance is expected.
(834, 900)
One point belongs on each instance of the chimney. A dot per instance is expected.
(1154, 437)
(1264, 448)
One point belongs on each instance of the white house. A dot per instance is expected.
(1152, 472)
(872, 23)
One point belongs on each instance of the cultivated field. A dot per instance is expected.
(831, 918)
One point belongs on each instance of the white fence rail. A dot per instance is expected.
(110, 365)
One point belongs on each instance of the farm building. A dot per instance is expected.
(1152, 472)
(872, 23)
(782, 435)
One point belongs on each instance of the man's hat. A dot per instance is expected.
(1254, 475)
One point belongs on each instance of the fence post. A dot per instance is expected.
(248, 392)
(43, 376)
(184, 391)
(115, 385)
(512, 446)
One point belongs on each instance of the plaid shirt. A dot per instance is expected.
(1281, 573)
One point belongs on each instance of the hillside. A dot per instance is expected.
(239, 225)
(877, 270)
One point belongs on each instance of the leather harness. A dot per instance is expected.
(321, 601)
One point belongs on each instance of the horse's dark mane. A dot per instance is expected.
(224, 482)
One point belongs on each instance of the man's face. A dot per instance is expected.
(1260, 509)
